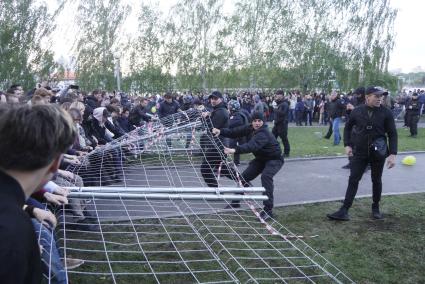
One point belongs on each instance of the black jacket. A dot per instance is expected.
(91, 104)
(220, 116)
(262, 143)
(413, 107)
(336, 108)
(125, 124)
(360, 138)
(137, 114)
(100, 132)
(19, 251)
(281, 114)
(236, 120)
(166, 109)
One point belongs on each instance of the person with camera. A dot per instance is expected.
(365, 139)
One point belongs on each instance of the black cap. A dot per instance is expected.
(378, 91)
(216, 94)
(257, 115)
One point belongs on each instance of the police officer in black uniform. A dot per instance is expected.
(280, 128)
(268, 156)
(412, 113)
(212, 146)
(368, 145)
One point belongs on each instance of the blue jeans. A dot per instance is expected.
(335, 128)
(52, 264)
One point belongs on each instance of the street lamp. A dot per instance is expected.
(117, 70)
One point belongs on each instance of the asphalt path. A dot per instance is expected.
(299, 181)
(315, 180)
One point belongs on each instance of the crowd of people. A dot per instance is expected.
(46, 130)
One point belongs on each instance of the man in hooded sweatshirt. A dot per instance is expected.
(268, 156)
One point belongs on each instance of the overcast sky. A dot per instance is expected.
(409, 49)
(408, 52)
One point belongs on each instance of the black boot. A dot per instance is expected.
(340, 215)
(376, 214)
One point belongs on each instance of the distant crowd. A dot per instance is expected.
(123, 112)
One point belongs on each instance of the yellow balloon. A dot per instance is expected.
(153, 109)
(409, 160)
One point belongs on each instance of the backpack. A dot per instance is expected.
(245, 117)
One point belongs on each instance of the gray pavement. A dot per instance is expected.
(299, 181)
(307, 181)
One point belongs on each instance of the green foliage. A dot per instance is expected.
(149, 79)
(99, 23)
(311, 44)
(23, 27)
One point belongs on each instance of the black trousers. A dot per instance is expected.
(412, 121)
(283, 134)
(330, 130)
(232, 144)
(210, 165)
(267, 169)
(358, 166)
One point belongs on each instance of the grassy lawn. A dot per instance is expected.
(308, 142)
(368, 251)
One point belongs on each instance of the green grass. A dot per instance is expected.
(308, 142)
(368, 251)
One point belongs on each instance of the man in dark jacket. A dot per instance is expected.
(365, 139)
(336, 110)
(93, 101)
(280, 128)
(412, 113)
(138, 115)
(166, 108)
(268, 156)
(32, 142)
(237, 118)
(211, 145)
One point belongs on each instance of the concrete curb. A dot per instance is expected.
(286, 204)
(333, 157)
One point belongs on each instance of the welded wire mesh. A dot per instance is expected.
(166, 152)
(197, 243)
(177, 239)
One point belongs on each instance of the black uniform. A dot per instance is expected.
(280, 128)
(268, 157)
(237, 119)
(19, 251)
(213, 147)
(371, 125)
(413, 108)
